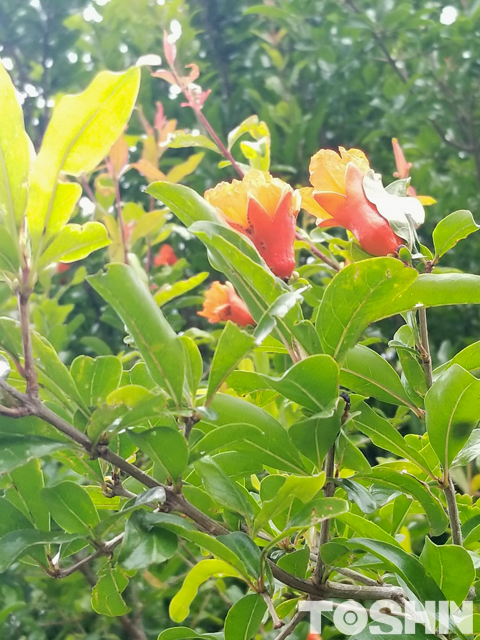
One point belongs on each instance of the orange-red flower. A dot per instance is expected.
(264, 209)
(165, 256)
(338, 199)
(403, 171)
(222, 303)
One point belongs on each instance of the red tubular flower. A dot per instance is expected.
(165, 256)
(62, 267)
(265, 209)
(338, 199)
(222, 303)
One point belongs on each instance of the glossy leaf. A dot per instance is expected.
(143, 546)
(315, 436)
(233, 345)
(14, 157)
(170, 292)
(106, 595)
(450, 230)
(452, 408)
(165, 447)
(28, 482)
(185, 203)
(17, 449)
(75, 242)
(81, 132)
(18, 543)
(224, 490)
(201, 572)
(360, 294)
(410, 485)
(451, 567)
(366, 528)
(96, 378)
(366, 372)
(71, 507)
(244, 618)
(154, 337)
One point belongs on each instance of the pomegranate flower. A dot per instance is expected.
(265, 209)
(165, 256)
(222, 303)
(348, 194)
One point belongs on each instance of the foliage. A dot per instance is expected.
(165, 476)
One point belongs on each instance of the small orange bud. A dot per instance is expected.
(62, 267)
(222, 303)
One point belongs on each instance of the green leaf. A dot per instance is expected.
(11, 518)
(468, 358)
(193, 365)
(14, 170)
(81, 132)
(469, 451)
(315, 511)
(315, 436)
(170, 292)
(450, 230)
(16, 544)
(14, 158)
(301, 487)
(96, 378)
(366, 528)
(271, 444)
(52, 373)
(451, 567)
(360, 294)
(296, 562)
(165, 447)
(184, 529)
(106, 594)
(153, 336)
(403, 564)
(410, 485)
(71, 507)
(75, 242)
(17, 449)
(185, 203)
(201, 572)
(452, 407)
(244, 618)
(145, 545)
(367, 373)
(233, 346)
(27, 483)
(222, 489)
(181, 139)
(383, 434)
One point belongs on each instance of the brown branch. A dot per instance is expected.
(29, 363)
(277, 623)
(290, 627)
(324, 535)
(104, 550)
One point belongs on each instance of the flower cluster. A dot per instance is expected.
(345, 192)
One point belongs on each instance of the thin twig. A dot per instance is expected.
(29, 363)
(358, 577)
(424, 346)
(324, 535)
(290, 627)
(118, 206)
(104, 550)
(277, 623)
(316, 252)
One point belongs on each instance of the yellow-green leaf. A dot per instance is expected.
(75, 242)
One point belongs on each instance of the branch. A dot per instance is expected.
(104, 550)
(453, 515)
(424, 346)
(324, 536)
(277, 623)
(290, 627)
(29, 363)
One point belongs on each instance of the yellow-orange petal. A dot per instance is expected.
(267, 190)
(311, 205)
(327, 168)
(215, 298)
(231, 199)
